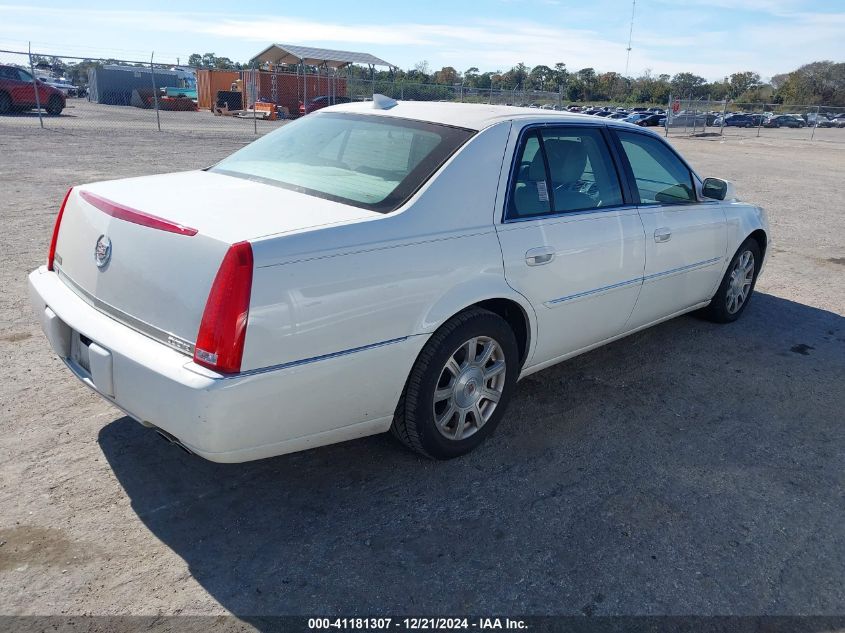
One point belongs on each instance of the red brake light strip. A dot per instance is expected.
(133, 215)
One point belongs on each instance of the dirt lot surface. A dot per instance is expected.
(688, 469)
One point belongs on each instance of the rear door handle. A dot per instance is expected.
(662, 234)
(539, 256)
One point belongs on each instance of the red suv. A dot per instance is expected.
(17, 92)
(317, 103)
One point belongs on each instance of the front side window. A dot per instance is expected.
(368, 161)
(661, 177)
(562, 170)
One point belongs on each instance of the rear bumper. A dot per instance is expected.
(231, 419)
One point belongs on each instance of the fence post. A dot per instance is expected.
(762, 116)
(815, 124)
(155, 90)
(668, 117)
(35, 85)
(253, 78)
(724, 114)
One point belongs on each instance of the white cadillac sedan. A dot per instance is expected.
(383, 266)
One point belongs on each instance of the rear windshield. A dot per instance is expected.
(373, 162)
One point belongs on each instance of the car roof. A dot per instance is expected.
(473, 116)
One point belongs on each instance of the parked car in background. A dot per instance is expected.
(619, 115)
(67, 88)
(740, 120)
(818, 120)
(838, 120)
(17, 92)
(383, 266)
(785, 120)
(686, 118)
(646, 119)
(634, 117)
(318, 103)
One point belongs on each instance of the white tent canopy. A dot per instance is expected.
(290, 54)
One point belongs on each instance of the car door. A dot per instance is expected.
(572, 241)
(24, 89)
(686, 237)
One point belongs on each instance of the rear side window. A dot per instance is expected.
(561, 170)
(661, 177)
(373, 162)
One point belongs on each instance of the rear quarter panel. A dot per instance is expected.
(396, 275)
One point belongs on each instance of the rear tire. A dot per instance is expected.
(459, 387)
(55, 105)
(737, 285)
(5, 103)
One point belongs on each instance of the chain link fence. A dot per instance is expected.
(114, 97)
(694, 117)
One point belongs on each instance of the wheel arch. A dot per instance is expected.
(762, 239)
(503, 301)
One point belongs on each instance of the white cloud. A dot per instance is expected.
(673, 38)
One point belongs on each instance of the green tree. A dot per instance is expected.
(446, 75)
(542, 78)
(742, 82)
(687, 85)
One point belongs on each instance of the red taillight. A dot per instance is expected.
(51, 255)
(220, 341)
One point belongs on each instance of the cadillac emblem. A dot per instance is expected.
(102, 251)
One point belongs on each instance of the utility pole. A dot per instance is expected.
(630, 36)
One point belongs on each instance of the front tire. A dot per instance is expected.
(55, 105)
(459, 387)
(737, 285)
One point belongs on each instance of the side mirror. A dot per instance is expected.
(718, 189)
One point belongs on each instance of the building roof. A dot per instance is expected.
(291, 54)
(141, 69)
(473, 116)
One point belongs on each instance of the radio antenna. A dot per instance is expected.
(630, 36)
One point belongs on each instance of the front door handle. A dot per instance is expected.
(662, 234)
(539, 256)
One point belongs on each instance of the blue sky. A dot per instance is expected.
(709, 37)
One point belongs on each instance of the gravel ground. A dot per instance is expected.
(688, 469)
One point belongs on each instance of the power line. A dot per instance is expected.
(630, 36)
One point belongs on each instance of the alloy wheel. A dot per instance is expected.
(741, 278)
(469, 387)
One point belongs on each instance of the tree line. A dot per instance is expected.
(820, 82)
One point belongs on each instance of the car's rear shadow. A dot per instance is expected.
(687, 469)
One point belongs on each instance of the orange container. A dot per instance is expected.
(210, 82)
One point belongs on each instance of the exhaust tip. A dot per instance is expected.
(172, 439)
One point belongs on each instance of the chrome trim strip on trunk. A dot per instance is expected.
(142, 327)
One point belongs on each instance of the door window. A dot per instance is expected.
(661, 177)
(563, 170)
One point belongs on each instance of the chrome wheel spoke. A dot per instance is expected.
(491, 395)
(472, 351)
(494, 370)
(446, 416)
(443, 394)
(459, 425)
(453, 366)
(476, 414)
(487, 352)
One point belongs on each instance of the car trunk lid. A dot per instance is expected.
(146, 250)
